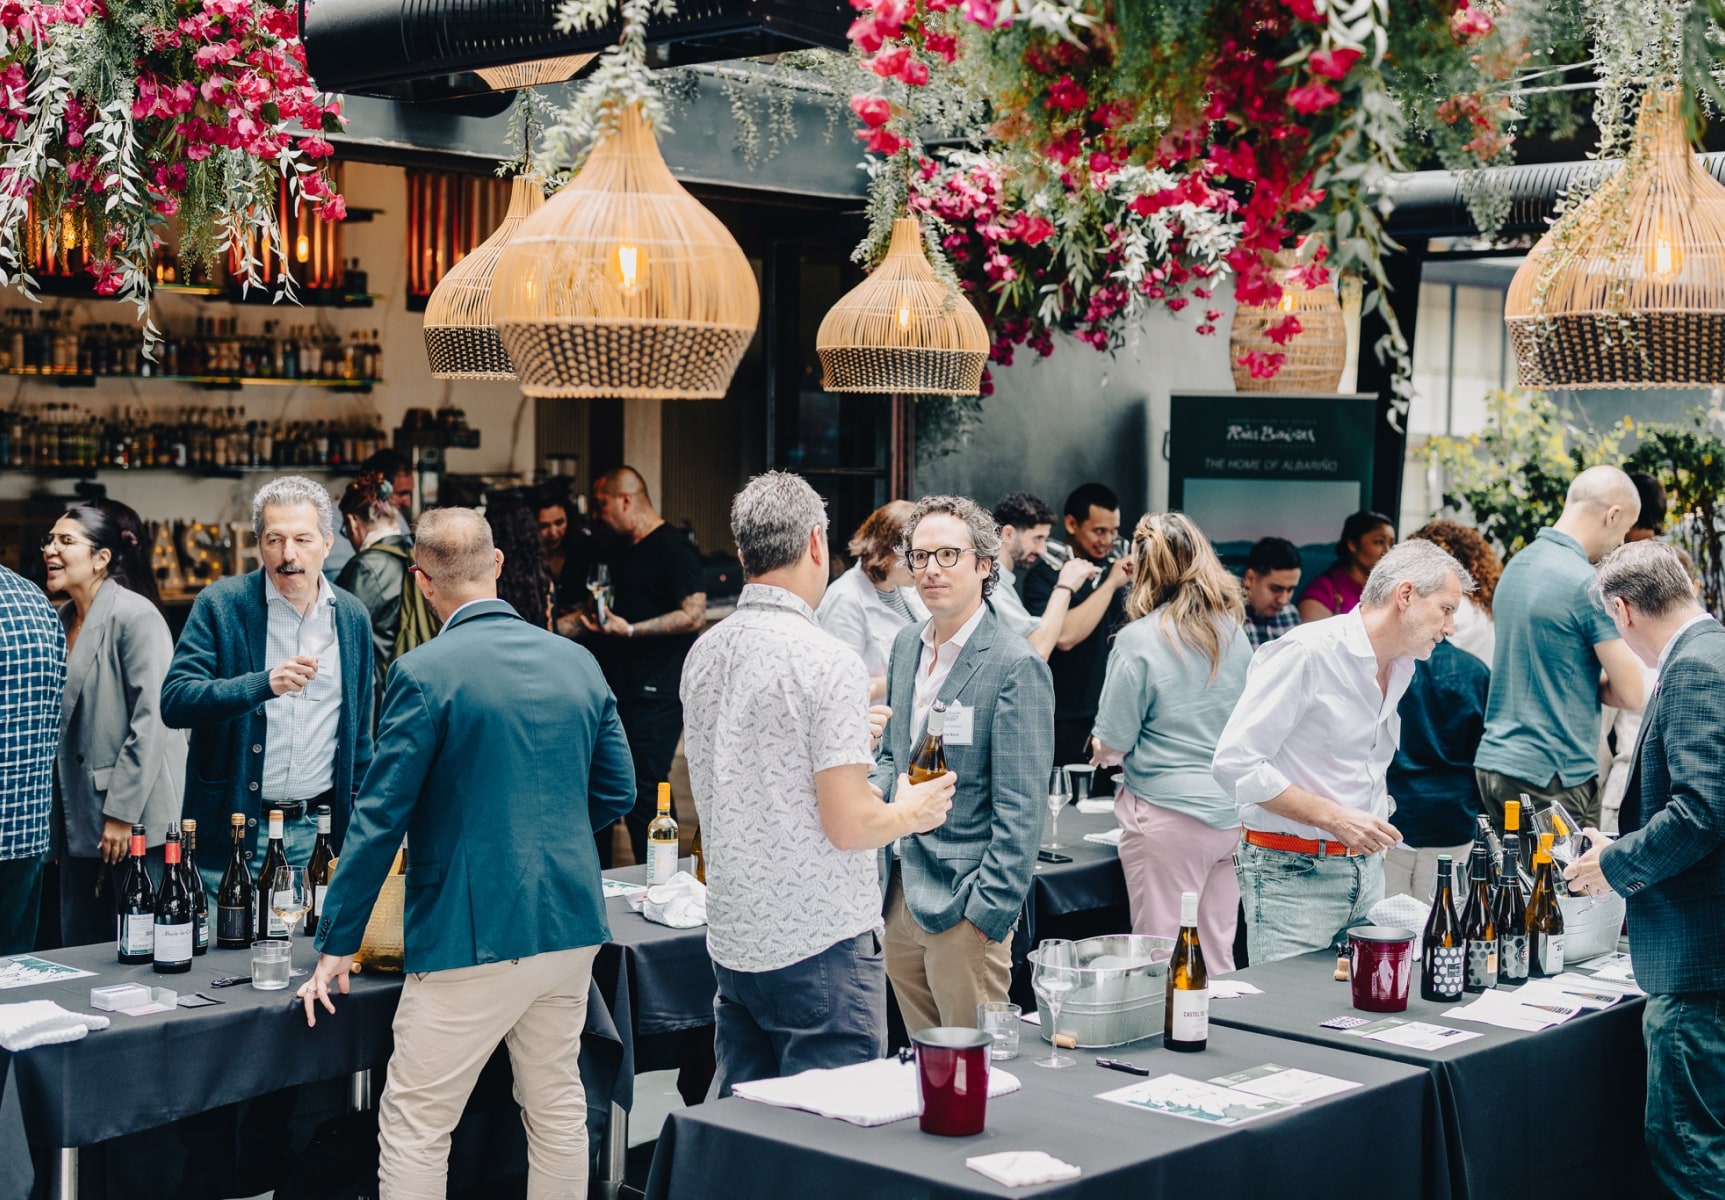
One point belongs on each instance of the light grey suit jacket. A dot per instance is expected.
(116, 757)
(979, 864)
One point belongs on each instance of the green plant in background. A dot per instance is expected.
(1512, 476)
(1690, 462)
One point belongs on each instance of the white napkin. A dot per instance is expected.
(680, 902)
(1095, 805)
(43, 1023)
(878, 1092)
(1401, 912)
(1021, 1168)
(1110, 838)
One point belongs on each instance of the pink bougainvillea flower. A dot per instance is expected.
(1310, 275)
(984, 13)
(1068, 95)
(1285, 330)
(882, 140)
(888, 63)
(1469, 24)
(1031, 231)
(943, 44)
(873, 111)
(1304, 10)
(1263, 364)
(334, 208)
(866, 34)
(1333, 64)
(1312, 97)
(914, 72)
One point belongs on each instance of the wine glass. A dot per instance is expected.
(289, 898)
(599, 586)
(1055, 978)
(1059, 792)
(316, 636)
(1056, 554)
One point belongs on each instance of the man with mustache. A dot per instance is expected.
(279, 713)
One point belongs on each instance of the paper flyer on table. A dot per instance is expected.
(1506, 1010)
(1415, 1035)
(1177, 1096)
(617, 887)
(1288, 1084)
(1232, 989)
(24, 970)
(1110, 838)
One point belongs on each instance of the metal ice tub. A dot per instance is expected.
(1119, 999)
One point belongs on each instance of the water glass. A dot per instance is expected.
(1000, 1021)
(272, 965)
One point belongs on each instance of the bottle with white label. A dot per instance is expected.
(175, 927)
(1186, 1021)
(268, 925)
(317, 871)
(662, 841)
(136, 931)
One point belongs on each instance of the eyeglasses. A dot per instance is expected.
(946, 556)
(64, 540)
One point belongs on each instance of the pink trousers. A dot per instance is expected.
(1165, 853)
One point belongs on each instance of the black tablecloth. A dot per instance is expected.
(1091, 883)
(738, 1148)
(1553, 1113)
(657, 980)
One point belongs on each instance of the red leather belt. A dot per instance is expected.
(1292, 844)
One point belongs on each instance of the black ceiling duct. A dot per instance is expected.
(424, 49)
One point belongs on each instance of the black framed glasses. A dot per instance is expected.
(946, 556)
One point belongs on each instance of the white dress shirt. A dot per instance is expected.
(933, 666)
(1312, 715)
(852, 611)
(1474, 631)
(301, 727)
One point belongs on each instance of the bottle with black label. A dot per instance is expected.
(1509, 908)
(234, 897)
(137, 917)
(195, 886)
(1479, 931)
(317, 872)
(1544, 917)
(268, 925)
(1441, 951)
(175, 930)
(1186, 1019)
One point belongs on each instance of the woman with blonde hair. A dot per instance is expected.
(1174, 674)
(866, 606)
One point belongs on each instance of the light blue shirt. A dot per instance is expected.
(300, 745)
(1161, 708)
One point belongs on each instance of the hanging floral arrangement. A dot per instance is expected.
(117, 115)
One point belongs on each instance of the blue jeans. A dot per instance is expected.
(1685, 1038)
(1298, 903)
(828, 1010)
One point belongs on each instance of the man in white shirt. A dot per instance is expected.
(777, 737)
(1024, 522)
(1306, 752)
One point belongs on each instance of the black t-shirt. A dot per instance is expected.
(1078, 672)
(648, 579)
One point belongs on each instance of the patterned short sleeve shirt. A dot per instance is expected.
(32, 676)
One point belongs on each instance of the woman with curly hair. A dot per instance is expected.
(526, 580)
(1474, 631)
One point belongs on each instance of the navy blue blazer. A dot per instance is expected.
(216, 687)
(1670, 862)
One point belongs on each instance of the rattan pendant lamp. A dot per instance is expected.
(1627, 290)
(460, 337)
(902, 331)
(535, 74)
(1314, 358)
(623, 285)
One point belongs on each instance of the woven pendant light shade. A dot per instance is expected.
(1314, 358)
(460, 339)
(535, 74)
(623, 285)
(1627, 290)
(903, 330)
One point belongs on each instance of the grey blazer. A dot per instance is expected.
(979, 864)
(116, 757)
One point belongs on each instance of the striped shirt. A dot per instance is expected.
(300, 747)
(32, 676)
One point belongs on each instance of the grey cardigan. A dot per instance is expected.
(117, 758)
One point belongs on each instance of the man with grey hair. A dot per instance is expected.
(498, 752)
(777, 738)
(272, 676)
(954, 895)
(1308, 746)
(1670, 862)
(1542, 715)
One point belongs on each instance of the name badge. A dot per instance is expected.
(960, 725)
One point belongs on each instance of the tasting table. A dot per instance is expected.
(1092, 884)
(1553, 1113)
(1387, 1129)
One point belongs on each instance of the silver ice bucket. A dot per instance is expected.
(1119, 998)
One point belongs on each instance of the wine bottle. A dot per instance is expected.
(137, 921)
(1544, 917)
(930, 757)
(175, 929)
(698, 852)
(1510, 909)
(662, 841)
(1186, 1013)
(1478, 930)
(234, 897)
(269, 925)
(195, 886)
(1484, 837)
(1442, 955)
(317, 871)
(1514, 812)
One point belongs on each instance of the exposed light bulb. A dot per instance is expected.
(302, 248)
(1664, 257)
(904, 316)
(1286, 303)
(628, 265)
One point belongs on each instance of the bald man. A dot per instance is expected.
(1558, 657)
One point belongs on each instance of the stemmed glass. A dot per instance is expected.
(1059, 793)
(289, 898)
(599, 586)
(1055, 978)
(316, 636)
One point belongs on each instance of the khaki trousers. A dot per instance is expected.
(940, 978)
(446, 1027)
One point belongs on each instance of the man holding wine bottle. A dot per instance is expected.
(954, 895)
(1670, 862)
(499, 752)
(1307, 748)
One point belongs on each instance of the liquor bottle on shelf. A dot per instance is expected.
(317, 871)
(137, 913)
(234, 897)
(275, 858)
(1186, 1008)
(1442, 953)
(175, 940)
(195, 885)
(1478, 930)
(1509, 911)
(1544, 917)
(930, 757)
(662, 841)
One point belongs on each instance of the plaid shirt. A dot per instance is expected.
(32, 675)
(1261, 630)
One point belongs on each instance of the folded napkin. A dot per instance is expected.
(1111, 838)
(870, 1093)
(43, 1023)
(680, 902)
(1021, 1168)
(1401, 912)
(1096, 805)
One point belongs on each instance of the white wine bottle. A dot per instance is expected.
(317, 871)
(930, 757)
(662, 841)
(269, 925)
(1186, 1021)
